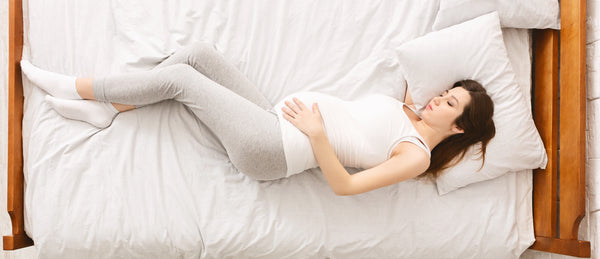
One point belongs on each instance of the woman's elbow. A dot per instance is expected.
(343, 187)
(350, 187)
(343, 192)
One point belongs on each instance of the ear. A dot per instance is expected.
(457, 129)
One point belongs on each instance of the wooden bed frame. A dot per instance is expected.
(558, 202)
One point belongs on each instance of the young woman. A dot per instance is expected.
(381, 134)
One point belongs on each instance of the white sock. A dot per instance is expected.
(99, 114)
(57, 85)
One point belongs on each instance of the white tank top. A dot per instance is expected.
(362, 132)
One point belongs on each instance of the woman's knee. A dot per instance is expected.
(202, 51)
(262, 169)
(175, 77)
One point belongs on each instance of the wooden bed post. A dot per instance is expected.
(14, 201)
(569, 206)
(545, 53)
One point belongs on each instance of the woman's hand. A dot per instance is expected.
(307, 121)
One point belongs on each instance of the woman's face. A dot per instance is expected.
(442, 111)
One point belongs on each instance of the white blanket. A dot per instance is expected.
(157, 184)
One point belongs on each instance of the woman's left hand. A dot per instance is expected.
(307, 121)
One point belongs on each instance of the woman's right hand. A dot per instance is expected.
(310, 122)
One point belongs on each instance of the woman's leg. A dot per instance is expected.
(205, 58)
(250, 134)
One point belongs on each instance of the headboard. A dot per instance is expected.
(559, 190)
(555, 53)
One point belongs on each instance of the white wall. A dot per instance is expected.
(589, 228)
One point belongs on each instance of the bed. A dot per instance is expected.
(73, 190)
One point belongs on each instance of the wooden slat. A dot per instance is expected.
(572, 118)
(562, 246)
(14, 202)
(545, 51)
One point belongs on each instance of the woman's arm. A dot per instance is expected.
(336, 175)
(410, 162)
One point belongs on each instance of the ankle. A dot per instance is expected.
(84, 87)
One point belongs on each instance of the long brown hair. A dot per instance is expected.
(476, 121)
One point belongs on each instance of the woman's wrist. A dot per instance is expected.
(317, 134)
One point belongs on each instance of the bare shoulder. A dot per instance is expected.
(407, 152)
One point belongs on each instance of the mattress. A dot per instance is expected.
(158, 184)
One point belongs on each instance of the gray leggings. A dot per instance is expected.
(219, 95)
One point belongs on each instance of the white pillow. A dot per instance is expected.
(475, 50)
(513, 13)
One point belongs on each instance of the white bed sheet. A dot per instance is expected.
(157, 184)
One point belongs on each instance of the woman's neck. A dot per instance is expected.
(430, 135)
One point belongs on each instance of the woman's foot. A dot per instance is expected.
(99, 114)
(57, 85)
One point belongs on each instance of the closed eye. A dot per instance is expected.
(449, 101)
(442, 95)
